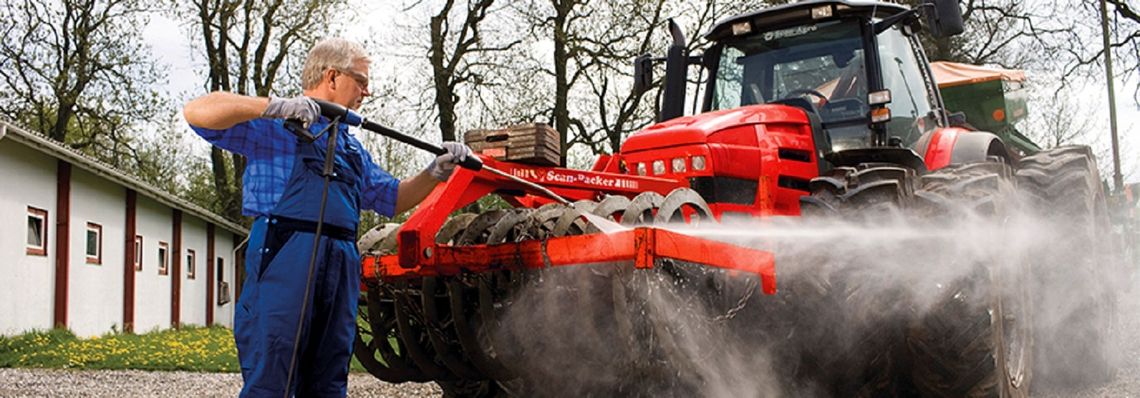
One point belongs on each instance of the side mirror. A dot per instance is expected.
(642, 73)
(944, 18)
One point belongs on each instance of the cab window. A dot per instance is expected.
(910, 105)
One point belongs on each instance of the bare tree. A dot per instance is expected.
(1082, 51)
(458, 56)
(1013, 34)
(75, 71)
(590, 56)
(613, 110)
(607, 60)
(248, 45)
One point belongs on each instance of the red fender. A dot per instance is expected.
(937, 148)
(953, 145)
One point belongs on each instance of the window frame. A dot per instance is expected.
(138, 253)
(96, 259)
(222, 291)
(163, 258)
(43, 216)
(220, 268)
(191, 258)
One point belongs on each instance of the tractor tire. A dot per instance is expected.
(976, 339)
(1078, 295)
(860, 358)
(472, 389)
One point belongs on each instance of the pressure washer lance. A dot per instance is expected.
(331, 110)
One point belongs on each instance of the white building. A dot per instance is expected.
(89, 248)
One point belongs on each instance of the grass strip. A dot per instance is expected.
(194, 349)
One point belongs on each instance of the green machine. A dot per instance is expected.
(992, 99)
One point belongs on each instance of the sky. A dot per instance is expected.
(173, 50)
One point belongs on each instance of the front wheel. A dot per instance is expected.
(976, 339)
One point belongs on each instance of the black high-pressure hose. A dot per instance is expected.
(332, 130)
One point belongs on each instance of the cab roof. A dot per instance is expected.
(798, 14)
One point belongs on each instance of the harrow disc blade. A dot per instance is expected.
(379, 338)
(440, 332)
(640, 210)
(413, 336)
(481, 352)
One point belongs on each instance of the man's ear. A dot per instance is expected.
(330, 75)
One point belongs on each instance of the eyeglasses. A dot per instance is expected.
(360, 79)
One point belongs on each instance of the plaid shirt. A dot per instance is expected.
(271, 149)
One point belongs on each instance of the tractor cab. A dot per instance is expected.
(829, 63)
(855, 67)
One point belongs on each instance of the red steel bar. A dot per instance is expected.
(641, 246)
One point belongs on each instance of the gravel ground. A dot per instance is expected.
(132, 383)
(1127, 382)
(65, 383)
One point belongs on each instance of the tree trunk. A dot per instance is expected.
(445, 97)
(221, 177)
(561, 81)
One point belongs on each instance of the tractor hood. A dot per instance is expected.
(697, 129)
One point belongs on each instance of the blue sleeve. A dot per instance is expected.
(380, 188)
(244, 138)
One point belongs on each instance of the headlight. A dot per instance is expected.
(658, 167)
(678, 165)
(641, 169)
(698, 162)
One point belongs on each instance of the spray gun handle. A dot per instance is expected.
(298, 129)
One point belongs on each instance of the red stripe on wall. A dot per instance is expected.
(129, 263)
(62, 243)
(210, 274)
(176, 272)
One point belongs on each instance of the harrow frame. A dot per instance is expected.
(419, 255)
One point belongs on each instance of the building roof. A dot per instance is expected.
(56, 150)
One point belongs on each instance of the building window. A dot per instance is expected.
(138, 253)
(163, 258)
(223, 287)
(94, 243)
(37, 231)
(190, 257)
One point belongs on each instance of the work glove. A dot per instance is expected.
(299, 108)
(442, 166)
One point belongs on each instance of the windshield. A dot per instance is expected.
(820, 63)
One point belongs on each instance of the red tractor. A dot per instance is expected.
(824, 108)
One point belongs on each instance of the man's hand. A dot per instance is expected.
(300, 108)
(444, 164)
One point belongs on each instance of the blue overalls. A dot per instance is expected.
(277, 263)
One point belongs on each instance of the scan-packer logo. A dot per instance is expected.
(575, 178)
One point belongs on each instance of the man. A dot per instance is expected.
(283, 187)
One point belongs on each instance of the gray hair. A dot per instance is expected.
(334, 53)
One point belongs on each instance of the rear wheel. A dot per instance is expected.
(1077, 303)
